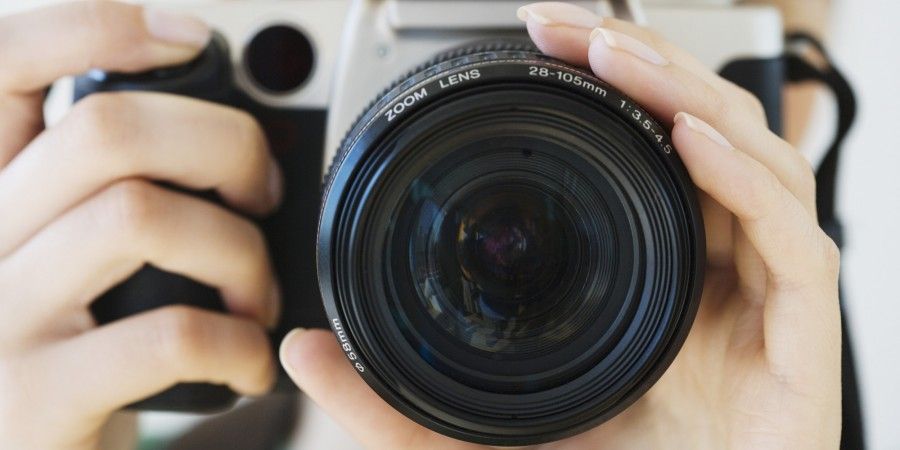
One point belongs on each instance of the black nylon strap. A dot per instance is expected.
(799, 69)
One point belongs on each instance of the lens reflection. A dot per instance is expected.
(507, 262)
(511, 249)
(505, 250)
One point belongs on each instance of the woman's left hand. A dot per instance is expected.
(761, 366)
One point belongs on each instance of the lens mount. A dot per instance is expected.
(510, 251)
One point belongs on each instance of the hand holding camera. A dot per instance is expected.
(81, 215)
(478, 189)
(760, 367)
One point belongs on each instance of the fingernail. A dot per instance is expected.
(276, 182)
(176, 28)
(628, 44)
(559, 14)
(288, 352)
(703, 128)
(273, 306)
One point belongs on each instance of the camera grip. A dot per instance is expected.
(151, 288)
(207, 77)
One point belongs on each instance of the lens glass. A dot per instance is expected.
(506, 262)
(502, 240)
(502, 254)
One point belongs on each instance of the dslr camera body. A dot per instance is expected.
(507, 249)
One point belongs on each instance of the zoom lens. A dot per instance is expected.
(510, 252)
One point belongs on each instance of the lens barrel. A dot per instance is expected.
(510, 251)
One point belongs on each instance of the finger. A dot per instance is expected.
(99, 243)
(719, 224)
(20, 121)
(562, 30)
(664, 88)
(315, 362)
(108, 137)
(43, 45)
(789, 241)
(141, 355)
(801, 261)
(751, 269)
(685, 84)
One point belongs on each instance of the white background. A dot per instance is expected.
(866, 43)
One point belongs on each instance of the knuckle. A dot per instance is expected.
(110, 31)
(250, 138)
(108, 27)
(246, 123)
(804, 169)
(721, 107)
(762, 192)
(179, 335)
(262, 265)
(831, 256)
(95, 11)
(798, 173)
(257, 241)
(98, 16)
(97, 120)
(131, 208)
(733, 103)
(747, 101)
(257, 254)
(260, 374)
(753, 104)
(804, 174)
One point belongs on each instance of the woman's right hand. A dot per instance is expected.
(80, 214)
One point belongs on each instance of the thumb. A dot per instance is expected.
(41, 46)
(315, 362)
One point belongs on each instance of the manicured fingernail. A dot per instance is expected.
(276, 182)
(288, 352)
(628, 44)
(703, 128)
(176, 28)
(559, 14)
(273, 306)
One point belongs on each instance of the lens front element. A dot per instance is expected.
(496, 267)
(508, 245)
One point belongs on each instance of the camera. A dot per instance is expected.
(508, 249)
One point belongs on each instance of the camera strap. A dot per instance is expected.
(800, 68)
